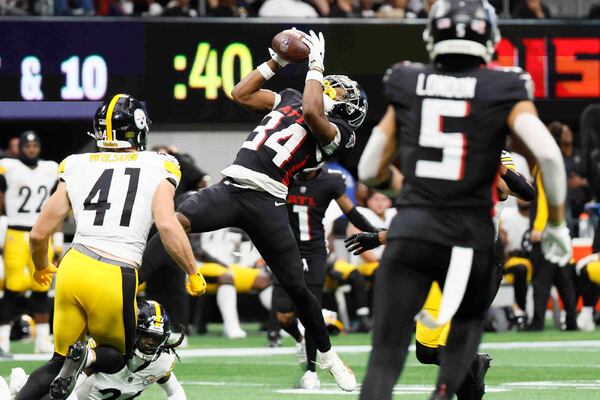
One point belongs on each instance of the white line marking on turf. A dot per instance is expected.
(590, 345)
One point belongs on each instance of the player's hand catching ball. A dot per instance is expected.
(44, 276)
(282, 62)
(316, 45)
(196, 285)
(556, 244)
(361, 242)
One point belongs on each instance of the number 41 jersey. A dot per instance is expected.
(451, 128)
(111, 196)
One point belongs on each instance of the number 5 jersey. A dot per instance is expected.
(451, 128)
(111, 196)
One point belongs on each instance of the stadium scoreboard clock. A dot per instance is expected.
(185, 69)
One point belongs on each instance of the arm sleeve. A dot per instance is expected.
(519, 185)
(3, 184)
(173, 388)
(359, 221)
(171, 170)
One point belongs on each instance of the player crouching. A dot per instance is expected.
(153, 362)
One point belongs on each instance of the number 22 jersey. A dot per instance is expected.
(111, 196)
(451, 128)
(283, 145)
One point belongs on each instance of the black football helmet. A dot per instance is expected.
(466, 27)
(352, 107)
(153, 330)
(121, 122)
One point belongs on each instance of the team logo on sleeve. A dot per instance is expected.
(149, 380)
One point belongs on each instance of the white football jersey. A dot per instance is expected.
(27, 189)
(128, 382)
(111, 196)
(515, 225)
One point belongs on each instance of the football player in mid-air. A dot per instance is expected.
(299, 131)
(153, 361)
(447, 121)
(307, 200)
(115, 197)
(430, 342)
(25, 185)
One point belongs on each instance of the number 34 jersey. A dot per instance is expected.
(283, 145)
(451, 128)
(27, 189)
(111, 196)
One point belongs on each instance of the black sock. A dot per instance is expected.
(311, 354)
(520, 284)
(309, 312)
(293, 330)
(39, 381)
(459, 353)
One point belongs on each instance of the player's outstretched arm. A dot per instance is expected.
(249, 93)
(172, 388)
(53, 214)
(529, 130)
(174, 237)
(511, 183)
(354, 216)
(375, 166)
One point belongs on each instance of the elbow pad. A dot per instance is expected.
(538, 140)
(519, 185)
(368, 166)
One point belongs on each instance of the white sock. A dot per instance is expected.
(363, 311)
(5, 337)
(265, 297)
(588, 311)
(227, 302)
(42, 333)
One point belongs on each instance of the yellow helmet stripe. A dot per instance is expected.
(158, 319)
(109, 114)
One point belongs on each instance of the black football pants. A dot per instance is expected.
(546, 274)
(402, 283)
(265, 220)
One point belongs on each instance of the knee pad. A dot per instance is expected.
(427, 355)
(39, 303)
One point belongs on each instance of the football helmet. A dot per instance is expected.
(23, 328)
(352, 106)
(30, 160)
(121, 122)
(466, 27)
(153, 330)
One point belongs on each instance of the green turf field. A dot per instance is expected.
(550, 365)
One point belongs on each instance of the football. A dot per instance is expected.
(288, 44)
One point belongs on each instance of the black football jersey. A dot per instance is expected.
(307, 202)
(282, 144)
(451, 128)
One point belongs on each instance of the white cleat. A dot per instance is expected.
(310, 380)
(585, 322)
(301, 353)
(343, 375)
(18, 379)
(4, 392)
(235, 333)
(44, 347)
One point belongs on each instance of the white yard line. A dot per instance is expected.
(590, 345)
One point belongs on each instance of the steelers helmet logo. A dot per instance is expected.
(140, 119)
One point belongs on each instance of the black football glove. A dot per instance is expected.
(361, 242)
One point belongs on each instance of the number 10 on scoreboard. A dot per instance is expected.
(205, 74)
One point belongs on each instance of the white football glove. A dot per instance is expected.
(316, 45)
(556, 244)
(282, 62)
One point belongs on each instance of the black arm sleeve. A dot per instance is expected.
(359, 221)
(3, 184)
(519, 185)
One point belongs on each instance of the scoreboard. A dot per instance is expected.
(185, 69)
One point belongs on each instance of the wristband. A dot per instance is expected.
(315, 75)
(265, 71)
(58, 240)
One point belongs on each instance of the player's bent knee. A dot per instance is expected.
(108, 360)
(261, 282)
(427, 355)
(286, 318)
(184, 221)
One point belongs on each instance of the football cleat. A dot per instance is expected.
(301, 353)
(234, 333)
(473, 387)
(342, 374)
(62, 386)
(585, 321)
(310, 381)
(18, 379)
